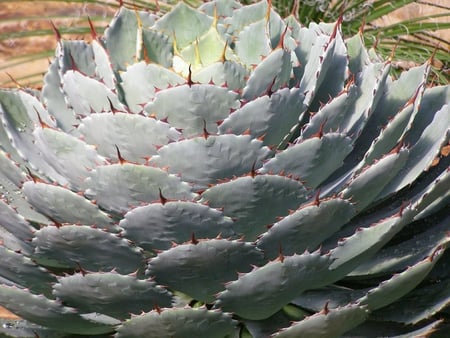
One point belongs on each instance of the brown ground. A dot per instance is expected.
(40, 13)
(5, 314)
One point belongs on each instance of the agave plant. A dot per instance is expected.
(224, 172)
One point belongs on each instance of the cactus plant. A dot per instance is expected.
(224, 172)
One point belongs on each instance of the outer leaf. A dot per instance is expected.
(48, 312)
(20, 212)
(265, 327)
(105, 132)
(205, 50)
(331, 296)
(11, 175)
(75, 54)
(64, 206)
(434, 196)
(23, 328)
(331, 116)
(24, 273)
(253, 43)
(158, 47)
(358, 55)
(178, 323)
(245, 15)
(303, 51)
(228, 73)
(245, 199)
(15, 110)
(316, 66)
(262, 292)
(363, 189)
(399, 126)
(110, 293)
(158, 226)
(206, 160)
(11, 180)
(277, 26)
(336, 68)
(269, 75)
(399, 285)
(328, 323)
(312, 160)
(417, 306)
(119, 187)
(306, 228)
(140, 82)
(270, 117)
(121, 43)
(259, 27)
(14, 223)
(103, 67)
(73, 246)
(5, 142)
(433, 99)
(396, 94)
(424, 331)
(200, 104)
(360, 102)
(375, 329)
(435, 135)
(70, 157)
(11, 242)
(86, 95)
(184, 24)
(407, 253)
(54, 99)
(197, 269)
(222, 8)
(358, 248)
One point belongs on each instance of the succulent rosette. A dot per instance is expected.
(224, 172)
